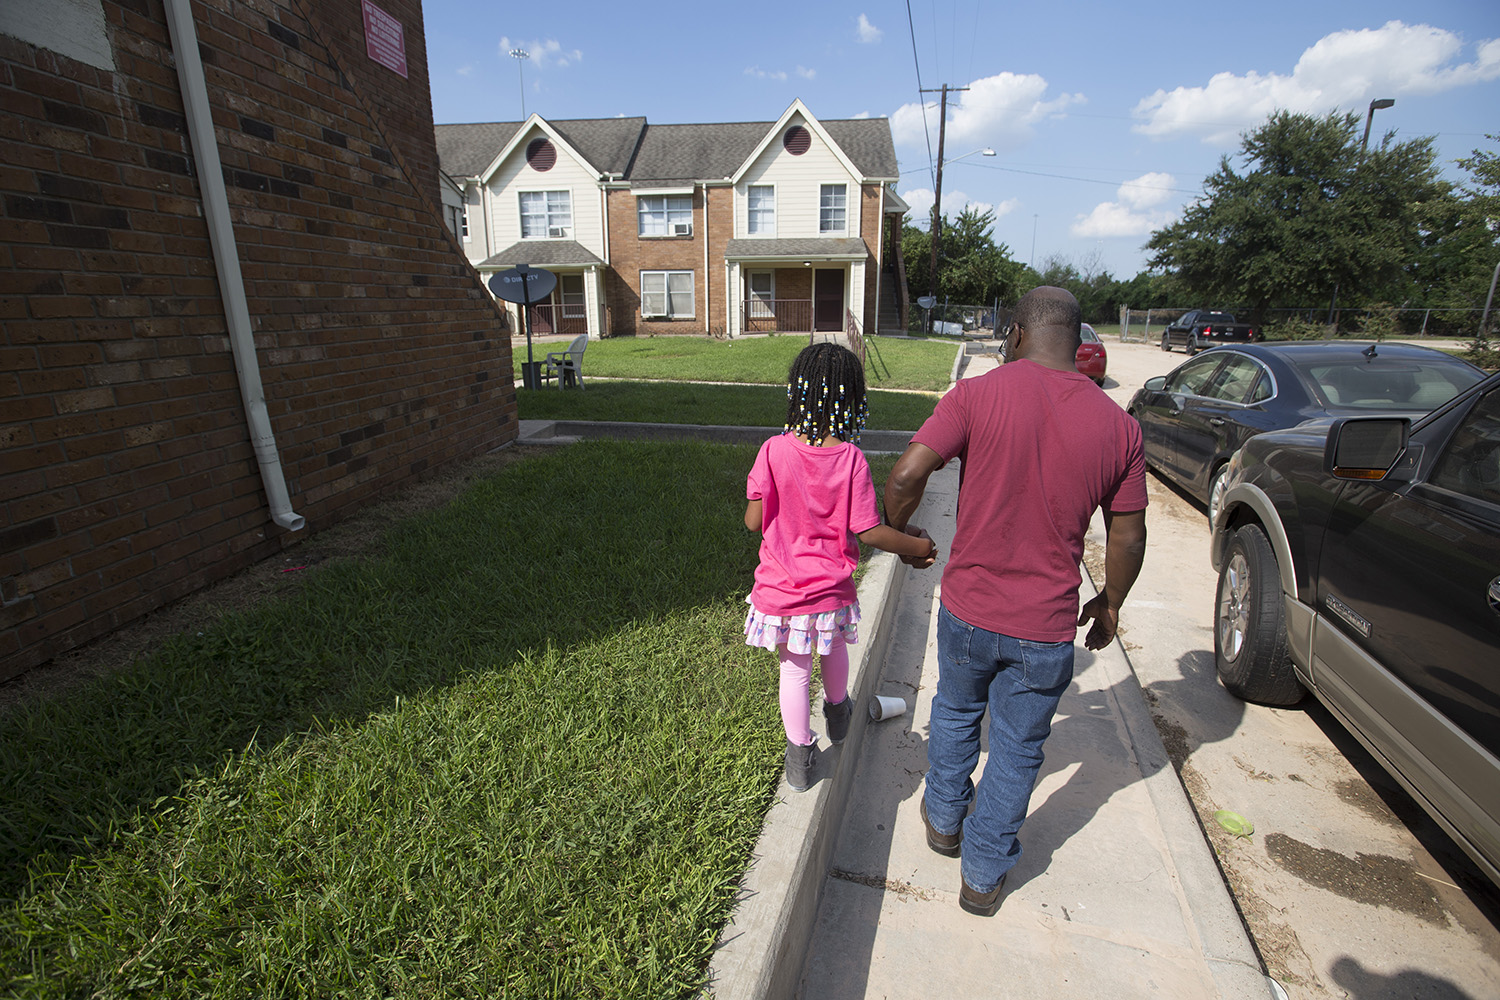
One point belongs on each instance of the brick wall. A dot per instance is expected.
(629, 253)
(869, 225)
(128, 475)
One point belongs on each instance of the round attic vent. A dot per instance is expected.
(797, 140)
(541, 154)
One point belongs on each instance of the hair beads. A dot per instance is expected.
(826, 394)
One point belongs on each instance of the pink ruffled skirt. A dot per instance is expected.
(802, 633)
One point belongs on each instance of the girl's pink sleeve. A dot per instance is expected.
(864, 512)
(758, 484)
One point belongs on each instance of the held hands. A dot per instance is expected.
(1106, 621)
(924, 561)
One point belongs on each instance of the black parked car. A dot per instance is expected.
(1194, 418)
(1359, 558)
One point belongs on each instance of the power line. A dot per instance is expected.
(926, 131)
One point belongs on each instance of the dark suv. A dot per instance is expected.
(1359, 559)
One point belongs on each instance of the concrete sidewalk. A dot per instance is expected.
(1117, 893)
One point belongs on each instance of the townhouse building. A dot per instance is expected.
(719, 229)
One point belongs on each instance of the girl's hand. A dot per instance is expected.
(925, 561)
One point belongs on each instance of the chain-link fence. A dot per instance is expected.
(957, 320)
(1145, 325)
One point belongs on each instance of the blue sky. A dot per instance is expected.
(1105, 119)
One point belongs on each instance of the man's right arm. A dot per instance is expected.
(907, 483)
(1124, 552)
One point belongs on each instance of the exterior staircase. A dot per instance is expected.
(888, 310)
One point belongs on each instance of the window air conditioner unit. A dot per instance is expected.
(557, 232)
(682, 229)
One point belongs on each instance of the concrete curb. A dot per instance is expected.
(569, 431)
(1225, 942)
(760, 954)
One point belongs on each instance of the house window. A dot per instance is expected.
(762, 210)
(546, 214)
(665, 215)
(463, 221)
(831, 209)
(667, 294)
(762, 294)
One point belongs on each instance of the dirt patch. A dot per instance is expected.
(1372, 879)
(356, 536)
(879, 882)
(1174, 738)
(1280, 949)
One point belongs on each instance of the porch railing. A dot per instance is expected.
(565, 320)
(778, 315)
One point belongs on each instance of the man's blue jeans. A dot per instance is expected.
(1020, 681)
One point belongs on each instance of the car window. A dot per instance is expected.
(1232, 382)
(1471, 463)
(1088, 335)
(1192, 377)
(1390, 384)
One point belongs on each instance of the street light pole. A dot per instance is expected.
(1376, 105)
(520, 56)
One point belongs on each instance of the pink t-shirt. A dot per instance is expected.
(1041, 450)
(814, 500)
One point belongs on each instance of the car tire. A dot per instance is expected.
(1250, 643)
(1192, 346)
(1166, 343)
(1216, 493)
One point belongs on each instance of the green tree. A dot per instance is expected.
(1310, 214)
(1462, 239)
(972, 269)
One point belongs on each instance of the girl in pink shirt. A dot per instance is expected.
(810, 495)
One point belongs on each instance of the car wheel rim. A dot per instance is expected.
(1234, 607)
(1216, 498)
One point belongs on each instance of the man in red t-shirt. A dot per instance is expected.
(1041, 449)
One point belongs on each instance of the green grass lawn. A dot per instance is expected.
(519, 751)
(903, 364)
(697, 403)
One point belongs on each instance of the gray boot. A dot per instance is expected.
(799, 765)
(837, 717)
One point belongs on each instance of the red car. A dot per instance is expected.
(1091, 359)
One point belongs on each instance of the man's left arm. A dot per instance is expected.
(1124, 552)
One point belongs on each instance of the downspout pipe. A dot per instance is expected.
(227, 259)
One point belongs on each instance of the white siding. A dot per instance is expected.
(516, 175)
(798, 180)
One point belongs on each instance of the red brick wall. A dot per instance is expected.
(869, 224)
(629, 253)
(129, 478)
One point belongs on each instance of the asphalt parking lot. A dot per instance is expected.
(1348, 889)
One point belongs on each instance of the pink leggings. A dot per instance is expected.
(796, 677)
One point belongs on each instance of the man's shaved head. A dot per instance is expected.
(1049, 322)
(1047, 306)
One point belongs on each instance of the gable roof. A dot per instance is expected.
(663, 154)
(607, 143)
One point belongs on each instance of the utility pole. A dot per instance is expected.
(937, 193)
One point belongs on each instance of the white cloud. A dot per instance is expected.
(1342, 70)
(806, 74)
(867, 32)
(1135, 211)
(464, 70)
(997, 111)
(542, 54)
(861, 115)
(762, 74)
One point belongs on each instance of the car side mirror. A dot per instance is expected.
(1368, 448)
(1156, 383)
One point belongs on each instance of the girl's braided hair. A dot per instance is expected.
(825, 394)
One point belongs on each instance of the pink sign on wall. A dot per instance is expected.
(385, 39)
